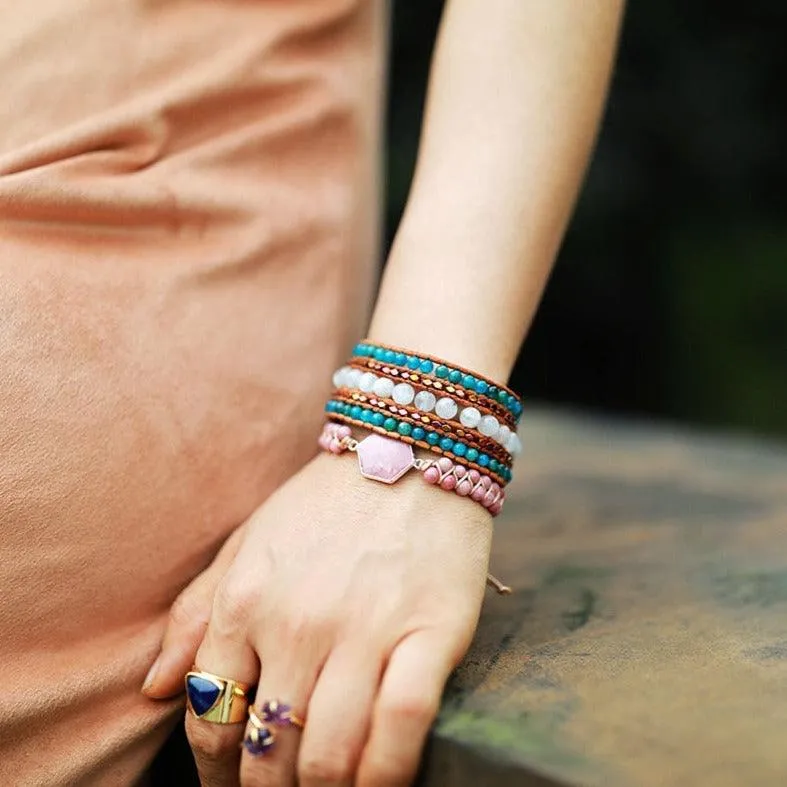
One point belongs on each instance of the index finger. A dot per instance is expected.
(226, 654)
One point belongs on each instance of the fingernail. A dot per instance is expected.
(152, 672)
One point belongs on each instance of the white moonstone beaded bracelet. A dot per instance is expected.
(425, 401)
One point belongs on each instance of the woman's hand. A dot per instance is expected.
(356, 601)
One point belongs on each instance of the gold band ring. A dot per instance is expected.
(215, 699)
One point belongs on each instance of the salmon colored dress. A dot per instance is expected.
(188, 213)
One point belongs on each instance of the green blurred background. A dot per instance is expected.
(670, 294)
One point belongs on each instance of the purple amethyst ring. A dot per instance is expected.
(260, 738)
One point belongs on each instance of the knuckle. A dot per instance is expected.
(189, 608)
(305, 622)
(233, 605)
(209, 742)
(334, 767)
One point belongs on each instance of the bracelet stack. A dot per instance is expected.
(422, 401)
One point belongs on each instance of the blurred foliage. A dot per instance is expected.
(670, 294)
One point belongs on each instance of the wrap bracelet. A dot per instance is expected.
(380, 399)
(384, 370)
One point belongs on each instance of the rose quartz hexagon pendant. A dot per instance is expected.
(383, 459)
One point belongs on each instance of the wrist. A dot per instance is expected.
(443, 302)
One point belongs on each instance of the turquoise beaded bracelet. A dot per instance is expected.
(430, 365)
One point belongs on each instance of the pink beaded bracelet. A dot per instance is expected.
(386, 460)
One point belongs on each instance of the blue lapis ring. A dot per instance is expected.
(216, 699)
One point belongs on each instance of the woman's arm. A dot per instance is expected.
(516, 91)
(358, 600)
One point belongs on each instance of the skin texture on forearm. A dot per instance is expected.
(516, 93)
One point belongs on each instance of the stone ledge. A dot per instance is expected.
(646, 640)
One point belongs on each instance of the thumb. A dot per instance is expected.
(188, 619)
